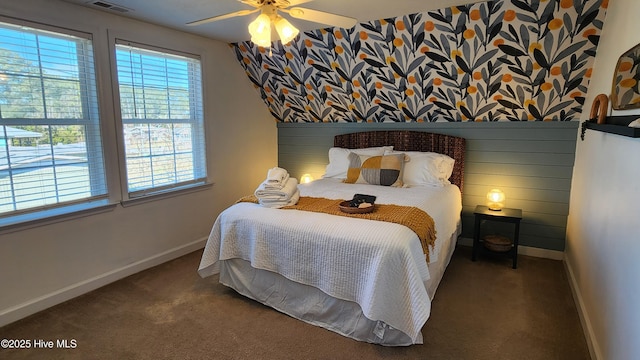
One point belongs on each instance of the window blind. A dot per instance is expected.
(50, 143)
(162, 119)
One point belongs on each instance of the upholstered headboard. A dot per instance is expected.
(404, 140)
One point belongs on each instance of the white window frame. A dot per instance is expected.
(196, 184)
(92, 122)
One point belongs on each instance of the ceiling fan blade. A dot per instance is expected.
(280, 4)
(296, 2)
(222, 17)
(322, 17)
(254, 3)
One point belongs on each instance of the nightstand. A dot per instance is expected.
(506, 215)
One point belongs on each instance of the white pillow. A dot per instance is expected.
(426, 168)
(339, 159)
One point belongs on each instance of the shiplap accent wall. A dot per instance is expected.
(532, 162)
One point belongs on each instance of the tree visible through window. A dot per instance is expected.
(50, 145)
(162, 121)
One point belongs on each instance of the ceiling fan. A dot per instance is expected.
(260, 28)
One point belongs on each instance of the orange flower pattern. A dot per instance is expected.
(502, 60)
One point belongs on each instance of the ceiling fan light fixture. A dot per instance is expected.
(286, 31)
(260, 30)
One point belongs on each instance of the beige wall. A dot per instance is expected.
(603, 238)
(47, 264)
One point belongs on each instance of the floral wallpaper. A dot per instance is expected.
(502, 60)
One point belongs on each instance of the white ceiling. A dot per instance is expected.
(176, 13)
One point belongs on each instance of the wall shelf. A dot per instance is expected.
(616, 125)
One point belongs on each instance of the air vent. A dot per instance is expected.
(106, 5)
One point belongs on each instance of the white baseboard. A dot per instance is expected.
(30, 307)
(524, 250)
(592, 343)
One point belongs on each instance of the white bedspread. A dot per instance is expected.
(378, 265)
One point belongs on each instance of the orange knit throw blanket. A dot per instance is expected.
(412, 217)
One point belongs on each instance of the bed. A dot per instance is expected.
(364, 279)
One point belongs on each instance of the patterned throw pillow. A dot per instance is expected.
(339, 159)
(375, 170)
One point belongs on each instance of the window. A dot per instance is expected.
(50, 143)
(162, 121)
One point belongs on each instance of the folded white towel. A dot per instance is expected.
(277, 175)
(276, 204)
(275, 185)
(277, 194)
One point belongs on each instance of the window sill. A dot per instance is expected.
(166, 194)
(25, 221)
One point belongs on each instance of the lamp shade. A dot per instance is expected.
(260, 30)
(495, 199)
(306, 178)
(286, 31)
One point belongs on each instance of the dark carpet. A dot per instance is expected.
(482, 310)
